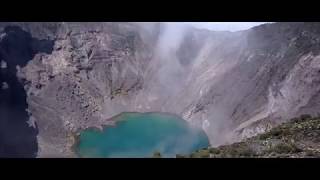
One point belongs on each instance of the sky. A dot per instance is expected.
(225, 26)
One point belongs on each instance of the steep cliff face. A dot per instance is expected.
(233, 84)
(287, 70)
(17, 47)
(91, 75)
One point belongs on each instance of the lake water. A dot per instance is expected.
(138, 135)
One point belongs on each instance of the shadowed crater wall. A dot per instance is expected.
(17, 137)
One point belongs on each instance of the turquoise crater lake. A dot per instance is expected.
(139, 135)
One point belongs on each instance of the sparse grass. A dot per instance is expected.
(284, 148)
(286, 140)
(237, 150)
(242, 152)
(203, 153)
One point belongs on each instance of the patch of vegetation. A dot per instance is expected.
(240, 151)
(156, 154)
(214, 150)
(235, 150)
(263, 136)
(290, 139)
(277, 132)
(203, 153)
(284, 148)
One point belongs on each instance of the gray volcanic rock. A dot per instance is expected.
(232, 84)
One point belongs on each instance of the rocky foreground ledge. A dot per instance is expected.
(297, 138)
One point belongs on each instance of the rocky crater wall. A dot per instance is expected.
(232, 84)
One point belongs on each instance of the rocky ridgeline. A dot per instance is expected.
(297, 138)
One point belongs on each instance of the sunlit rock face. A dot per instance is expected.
(232, 84)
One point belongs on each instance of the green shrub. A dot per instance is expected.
(275, 132)
(204, 153)
(214, 150)
(264, 136)
(157, 154)
(193, 155)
